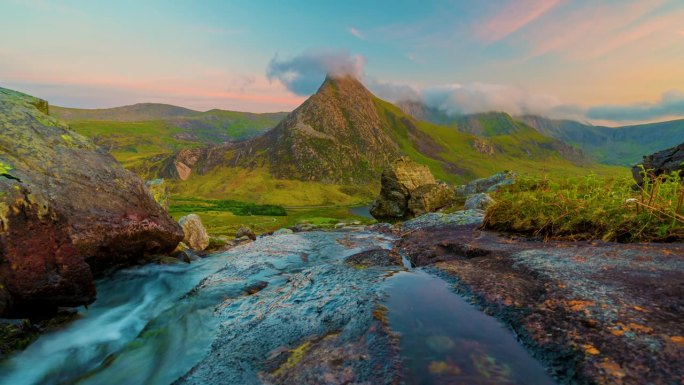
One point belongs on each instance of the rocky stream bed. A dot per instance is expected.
(345, 307)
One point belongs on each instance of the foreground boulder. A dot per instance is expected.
(409, 189)
(68, 211)
(195, 235)
(661, 163)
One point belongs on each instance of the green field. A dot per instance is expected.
(224, 219)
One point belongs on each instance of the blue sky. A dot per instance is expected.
(583, 59)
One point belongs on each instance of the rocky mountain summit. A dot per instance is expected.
(336, 135)
(68, 211)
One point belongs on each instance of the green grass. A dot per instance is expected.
(220, 218)
(259, 186)
(591, 207)
(235, 207)
(133, 144)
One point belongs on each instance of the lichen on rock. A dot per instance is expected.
(409, 189)
(84, 211)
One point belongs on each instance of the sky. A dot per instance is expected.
(611, 62)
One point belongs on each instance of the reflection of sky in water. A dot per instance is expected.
(445, 340)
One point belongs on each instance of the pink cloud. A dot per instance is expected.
(513, 17)
(356, 33)
(222, 91)
(595, 30)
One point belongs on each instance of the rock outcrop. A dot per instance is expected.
(661, 163)
(429, 198)
(409, 189)
(68, 211)
(245, 231)
(196, 236)
(489, 184)
(479, 201)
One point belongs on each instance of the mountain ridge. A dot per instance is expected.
(620, 146)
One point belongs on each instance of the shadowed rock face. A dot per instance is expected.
(661, 163)
(68, 211)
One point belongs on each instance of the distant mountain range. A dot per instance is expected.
(622, 146)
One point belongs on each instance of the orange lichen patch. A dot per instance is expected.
(578, 305)
(677, 339)
(442, 367)
(641, 328)
(617, 332)
(590, 349)
(639, 308)
(611, 368)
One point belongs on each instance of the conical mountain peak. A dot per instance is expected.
(336, 136)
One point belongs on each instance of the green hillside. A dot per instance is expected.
(139, 136)
(620, 146)
(210, 127)
(623, 146)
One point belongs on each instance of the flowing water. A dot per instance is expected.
(218, 320)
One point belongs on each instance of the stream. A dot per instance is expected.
(242, 316)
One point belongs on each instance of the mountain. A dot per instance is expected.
(336, 135)
(141, 134)
(331, 150)
(622, 146)
(133, 113)
(339, 140)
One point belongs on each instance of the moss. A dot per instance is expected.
(296, 356)
(5, 168)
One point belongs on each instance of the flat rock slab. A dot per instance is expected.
(593, 312)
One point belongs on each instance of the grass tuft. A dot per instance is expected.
(592, 207)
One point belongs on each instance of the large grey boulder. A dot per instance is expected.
(409, 189)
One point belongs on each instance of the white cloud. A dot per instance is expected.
(303, 74)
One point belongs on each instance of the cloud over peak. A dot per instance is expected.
(303, 74)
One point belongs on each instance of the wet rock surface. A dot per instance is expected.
(68, 211)
(314, 322)
(592, 312)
